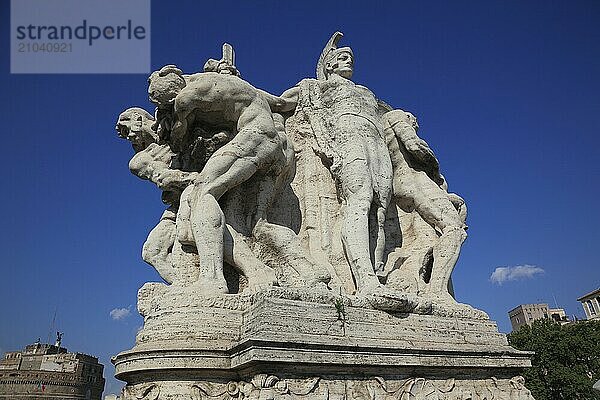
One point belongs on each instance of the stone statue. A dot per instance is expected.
(255, 148)
(374, 155)
(59, 336)
(307, 248)
(235, 137)
(151, 161)
(217, 139)
(348, 129)
(418, 186)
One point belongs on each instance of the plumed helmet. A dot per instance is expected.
(330, 51)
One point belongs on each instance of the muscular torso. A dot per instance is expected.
(223, 99)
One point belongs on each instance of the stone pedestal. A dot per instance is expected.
(284, 343)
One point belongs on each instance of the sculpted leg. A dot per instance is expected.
(158, 246)
(208, 226)
(184, 230)
(237, 253)
(358, 194)
(355, 239)
(279, 243)
(436, 208)
(380, 245)
(223, 172)
(380, 166)
(445, 255)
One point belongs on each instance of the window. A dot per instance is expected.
(591, 307)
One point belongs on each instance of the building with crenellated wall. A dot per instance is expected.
(43, 371)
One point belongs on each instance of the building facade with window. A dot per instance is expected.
(559, 315)
(525, 314)
(591, 304)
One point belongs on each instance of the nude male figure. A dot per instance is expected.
(255, 148)
(152, 162)
(418, 186)
(162, 249)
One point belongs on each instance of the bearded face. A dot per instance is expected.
(135, 125)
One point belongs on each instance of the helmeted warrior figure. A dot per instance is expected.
(348, 131)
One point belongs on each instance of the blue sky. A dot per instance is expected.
(507, 95)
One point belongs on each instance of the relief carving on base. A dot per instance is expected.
(270, 387)
(144, 391)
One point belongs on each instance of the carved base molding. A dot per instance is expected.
(276, 347)
(271, 387)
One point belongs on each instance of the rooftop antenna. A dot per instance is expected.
(59, 336)
(52, 324)
(555, 302)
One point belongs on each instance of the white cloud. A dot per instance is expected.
(120, 313)
(518, 272)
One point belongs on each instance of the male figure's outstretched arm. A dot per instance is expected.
(287, 102)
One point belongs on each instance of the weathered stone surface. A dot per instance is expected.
(264, 386)
(235, 337)
(307, 248)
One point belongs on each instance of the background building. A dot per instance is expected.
(525, 314)
(558, 314)
(591, 304)
(43, 371)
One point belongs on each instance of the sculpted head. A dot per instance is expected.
(340, 62)
(165, 84)
(135, 125)
(220, 67)
(412, 120)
